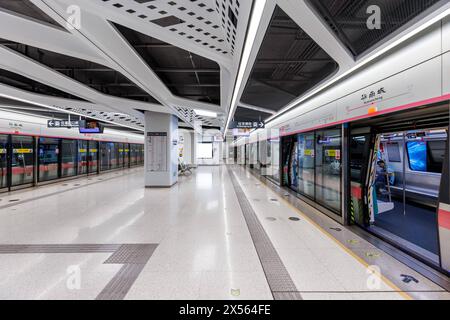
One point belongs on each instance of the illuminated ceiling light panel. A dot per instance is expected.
(205, 113)
(249, 41)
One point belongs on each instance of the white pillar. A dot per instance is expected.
(161, 149)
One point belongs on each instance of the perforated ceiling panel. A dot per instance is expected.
(194, 20)
(229, 15)
(189, 116)
(118, 118)
(98, 77)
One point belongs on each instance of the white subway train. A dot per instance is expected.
(31, 153)
(372, 149)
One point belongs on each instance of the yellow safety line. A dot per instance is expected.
(351, 253)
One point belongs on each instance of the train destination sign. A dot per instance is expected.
(63, 124)
(247, 125)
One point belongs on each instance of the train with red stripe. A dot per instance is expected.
(33, 154)
(371, 150)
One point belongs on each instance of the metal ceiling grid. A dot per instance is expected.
(194, 20)
(347, 19)
(288, 64)
(186, 74)
(98, 77)
(244, 114)
(21, 82)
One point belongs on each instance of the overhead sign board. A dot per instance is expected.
(90, 126)
(241, 132)
(247, 125)
(63, 124)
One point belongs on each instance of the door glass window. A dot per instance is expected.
(3, 161)
(328, 168)
(68, 158)
(126, 157)
(306, 155)
(92, 159)
(48, 159)
(82, 156)
(22, 162)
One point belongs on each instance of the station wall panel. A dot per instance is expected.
(446, 34)
(446, 73)
(414, 52)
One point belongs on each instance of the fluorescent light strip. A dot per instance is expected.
(365, 62)
(205, 113)
(258, 8)
(67, 111)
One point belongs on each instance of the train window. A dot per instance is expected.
(426, 156)
(436, 155)
(417, 155)
(393, 152)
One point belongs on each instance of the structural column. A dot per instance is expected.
(161, 149)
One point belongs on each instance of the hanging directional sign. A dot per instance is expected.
(246, 125)
(63, 124)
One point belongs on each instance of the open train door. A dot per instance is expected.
(444, 212)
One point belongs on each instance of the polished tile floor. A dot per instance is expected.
(204, 249)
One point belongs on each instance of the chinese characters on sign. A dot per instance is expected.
(62, 124)
(157, 151)
(373, 95)
(246, 125)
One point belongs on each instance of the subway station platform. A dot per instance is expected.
(251, 150)
(219, 233)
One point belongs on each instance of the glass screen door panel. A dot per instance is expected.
(22, 162)
(306, 155)
(4, 161)
(92, 159)
(328, 169)
(82, 157)
(48, 159)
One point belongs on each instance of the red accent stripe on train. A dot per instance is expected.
(18, 133)
(444, 219)
(390, 110)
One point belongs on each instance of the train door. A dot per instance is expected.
(49, 154)
(4, 172)
(293, 165)
(126, 158)
(92, 159)
(121, 154)
(82, 157)
(398, 198)
(22, 161)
